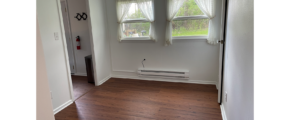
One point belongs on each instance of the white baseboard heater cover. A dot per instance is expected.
(173, 74)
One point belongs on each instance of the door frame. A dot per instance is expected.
(70, 34)
(65, 49)
(222, 49)
(91, 40)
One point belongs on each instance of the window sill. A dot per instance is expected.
(190, 38)
(136, 38)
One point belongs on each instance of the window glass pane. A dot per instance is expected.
(136, 29)
(134, 12)
(189, 8)
(197, 27)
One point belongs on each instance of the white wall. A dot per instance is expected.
(79, 28)
(99, 38)
(43, 103)
(238, 81)
(197, 56)
(58, 72)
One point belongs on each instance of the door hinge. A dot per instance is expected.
(221, 41)
(73, 67)
(65, 9)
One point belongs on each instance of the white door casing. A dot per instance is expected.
(69, 41)
(221, 51)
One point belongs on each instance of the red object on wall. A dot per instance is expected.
(78, 43)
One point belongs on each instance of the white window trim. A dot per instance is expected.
(136, 38)
(189, 38)
(190, 17)
(195, 17)
(136, 20)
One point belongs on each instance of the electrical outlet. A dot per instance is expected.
(226, 97)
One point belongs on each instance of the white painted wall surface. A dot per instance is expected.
(238, 82)
(43, 103)
(197, 56)
(58, 72)
(79, 28)
(99, 37)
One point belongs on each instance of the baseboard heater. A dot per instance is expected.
(173, 74)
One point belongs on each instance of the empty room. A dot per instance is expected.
(146, 59)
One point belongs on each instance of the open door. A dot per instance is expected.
(222, 49)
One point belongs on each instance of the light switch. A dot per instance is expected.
(56, 35)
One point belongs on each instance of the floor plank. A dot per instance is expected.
(127, 99)
(81, 85)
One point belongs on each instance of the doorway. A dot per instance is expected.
(77, 29)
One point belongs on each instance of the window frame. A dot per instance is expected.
(139, 20)
(194, 17)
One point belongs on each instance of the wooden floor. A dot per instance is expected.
(81, 85)
(125, 99)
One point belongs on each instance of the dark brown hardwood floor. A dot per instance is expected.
(126, 99)
(81, 85)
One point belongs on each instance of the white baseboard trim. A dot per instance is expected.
(104, 80)
(166, 80)
(223, 112)
(80, 74)
(56, 110)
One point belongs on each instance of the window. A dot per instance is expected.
(136, 19)
(190, 21)
(135, 24)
